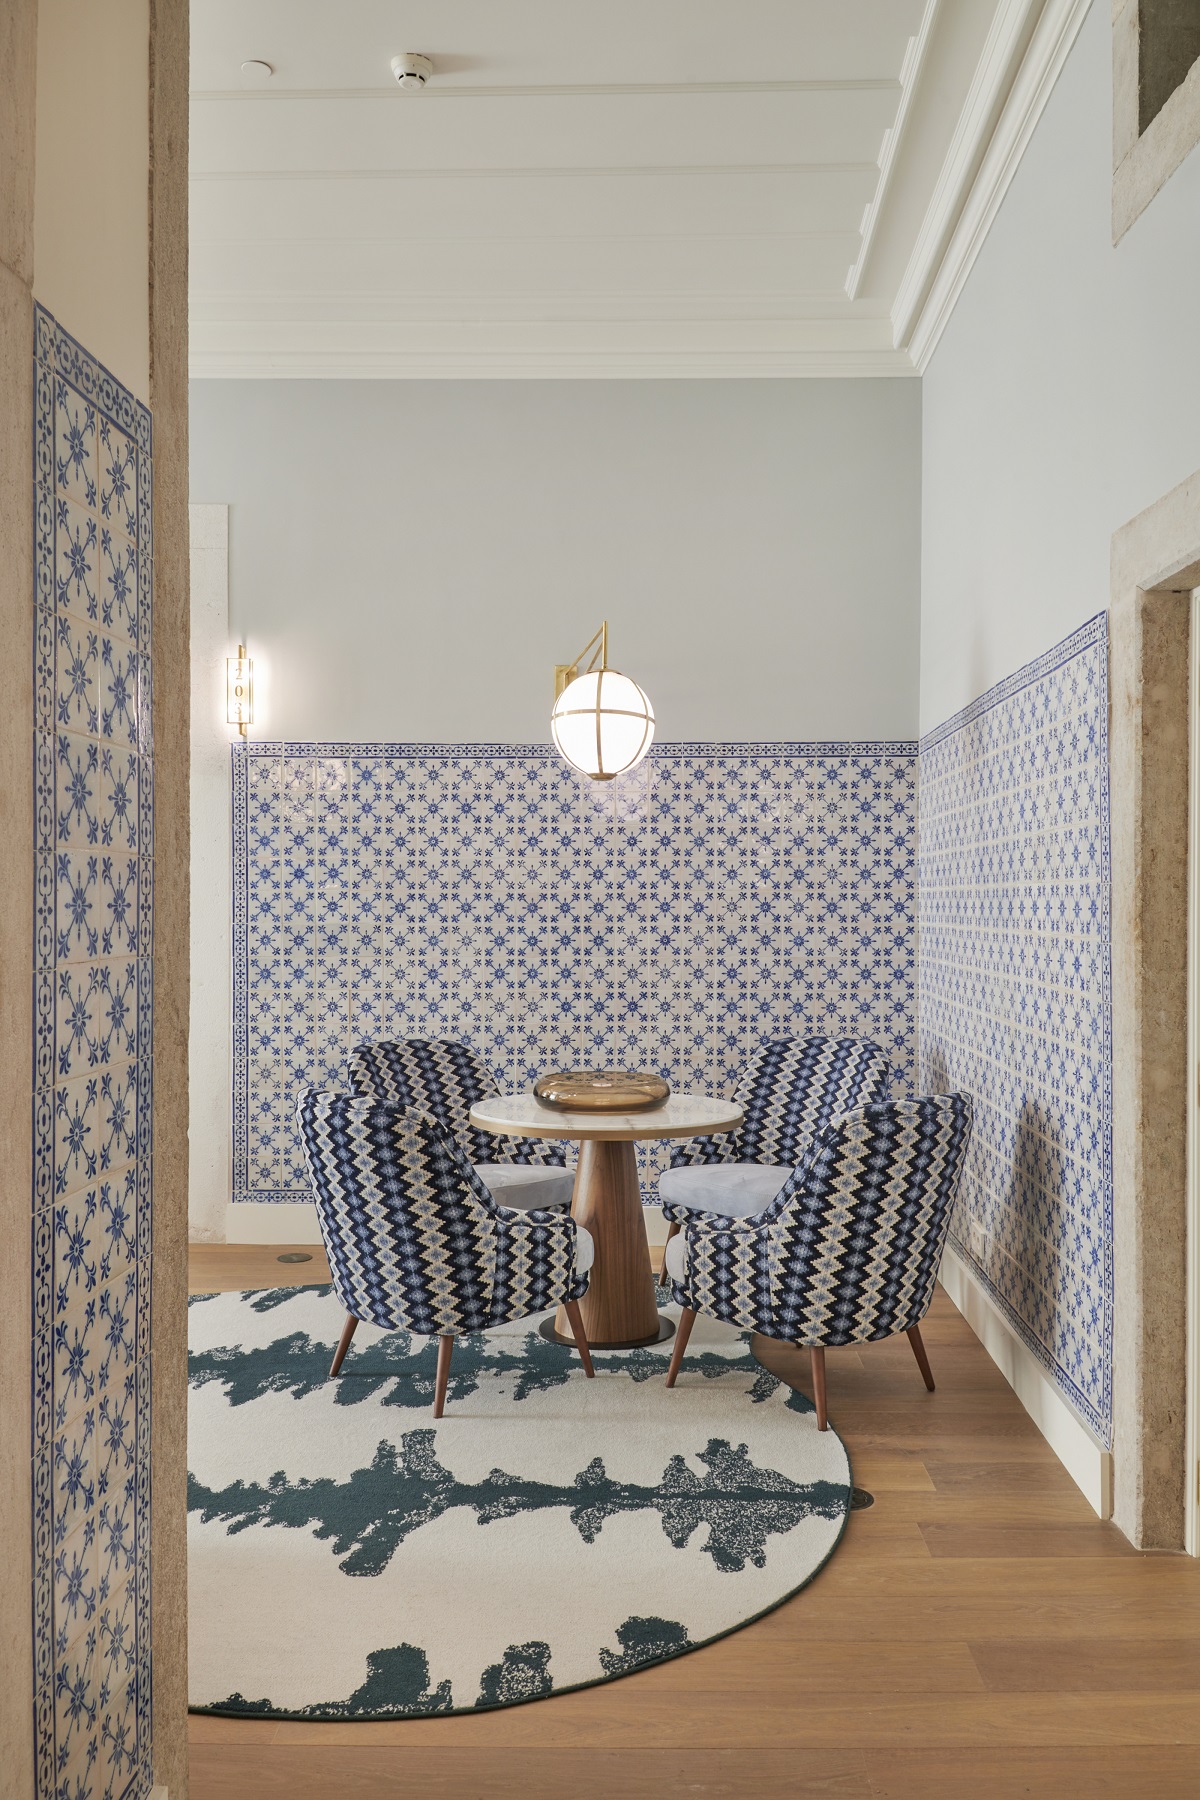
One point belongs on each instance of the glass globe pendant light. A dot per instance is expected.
(602, 723)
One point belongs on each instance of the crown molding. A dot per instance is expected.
(893, 137)
(618, 349)
(672, 336)
(291, 307)
(1011, 25)
(550, 90)
(548, 172)
(346, 362)
(1023, 58)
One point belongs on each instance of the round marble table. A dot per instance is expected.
(618, 1309)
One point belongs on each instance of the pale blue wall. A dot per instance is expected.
(1063, 398)
(410, 559)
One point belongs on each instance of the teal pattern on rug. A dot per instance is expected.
(632, 1523)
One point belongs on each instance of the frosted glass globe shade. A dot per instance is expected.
(603, 724)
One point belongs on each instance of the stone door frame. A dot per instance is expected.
(1155, 566)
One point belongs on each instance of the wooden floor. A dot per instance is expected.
(978, 1634)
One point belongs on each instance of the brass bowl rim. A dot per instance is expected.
(581, 1090)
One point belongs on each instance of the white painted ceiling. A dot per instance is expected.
(649, 187)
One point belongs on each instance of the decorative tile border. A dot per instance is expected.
(92, 1025)
(1016, 998)
(672, 919)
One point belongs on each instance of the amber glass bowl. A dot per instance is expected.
(602, 1090)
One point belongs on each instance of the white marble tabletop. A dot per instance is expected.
(680, 1116)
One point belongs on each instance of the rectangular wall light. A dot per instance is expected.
(239, 690)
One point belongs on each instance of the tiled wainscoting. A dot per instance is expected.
(719, 895)
(92, 1022)
(1015, 1000)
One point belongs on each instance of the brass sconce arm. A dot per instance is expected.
(565, 673)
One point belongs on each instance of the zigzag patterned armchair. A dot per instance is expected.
(788, 1091)
(444, 1079)
(415, 1240)
(848, 1251)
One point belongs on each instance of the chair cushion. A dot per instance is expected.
(739, 1190)
(677, 1257)
(585, 1250)
(526, 1186)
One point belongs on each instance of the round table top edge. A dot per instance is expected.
(552, 1122)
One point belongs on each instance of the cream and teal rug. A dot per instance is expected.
(352, 1559)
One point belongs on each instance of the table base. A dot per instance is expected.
(618, 1308)
(666, 1329)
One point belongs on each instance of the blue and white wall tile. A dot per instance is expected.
(718, 895)
(1016, 999)
(92, 1023)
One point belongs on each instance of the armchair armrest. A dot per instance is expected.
(728, 1272)
(535, 1263)
(697, 1152)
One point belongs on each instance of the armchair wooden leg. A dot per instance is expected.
(818, 1381)
(683, 1332)
(918, 1349)
(445, 1351)
(571, 1308)
(662, 1273)
(339, 1355)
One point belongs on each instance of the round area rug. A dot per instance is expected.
(351, 1558)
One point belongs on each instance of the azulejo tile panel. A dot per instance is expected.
(1016, 1003)
(720, 894)
(93, 990)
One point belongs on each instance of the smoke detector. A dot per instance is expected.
(412, 71)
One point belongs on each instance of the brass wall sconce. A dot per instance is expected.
(602, 723)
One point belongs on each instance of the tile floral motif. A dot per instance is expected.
(77, 676)
(1016, 999)
(720, 894)
(118, 601)
(120, 683)
(118, 479)
(75, 444)
(92, 1038)
(76, 560)
(79, 803)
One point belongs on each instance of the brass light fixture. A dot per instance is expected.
(239, 690)
(602, 723)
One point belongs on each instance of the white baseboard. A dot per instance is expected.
(1085, 1459)
(295, 1222)
(260, 1222)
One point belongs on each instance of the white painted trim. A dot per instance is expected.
(989, 85)
(526, 172)
(554, 90)
(1054, 34)
(295, 306)
(546, 362)
(1085, 1459)
(910, 75)
(260, 1222)
(158, 1793)
(210, 1067)
(1191, 1508)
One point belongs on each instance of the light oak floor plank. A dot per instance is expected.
(1078, 1774)
(285, 1773)
(978, 1633)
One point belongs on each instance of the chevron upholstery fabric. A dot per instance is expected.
(788, 1091)
(849, 1249)
(415, 1241)
(444, 1079)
